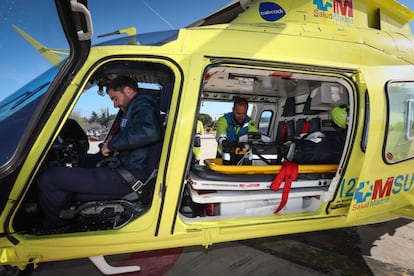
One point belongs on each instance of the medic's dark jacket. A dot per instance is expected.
(140, 127)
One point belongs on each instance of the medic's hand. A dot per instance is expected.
(226, 145)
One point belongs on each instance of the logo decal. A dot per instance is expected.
(336, 10)
(369, 193)
(322, 6)
(363, 192)
(270, 11)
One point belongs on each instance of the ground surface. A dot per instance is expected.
(379, 249)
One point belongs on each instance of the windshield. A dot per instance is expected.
(26, 65)
(17, 110)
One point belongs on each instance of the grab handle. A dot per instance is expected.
(78, 7)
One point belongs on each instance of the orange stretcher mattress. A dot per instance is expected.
(216, 165)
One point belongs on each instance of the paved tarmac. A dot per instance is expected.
(381, 249)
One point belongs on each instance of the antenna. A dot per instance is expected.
(130, 31)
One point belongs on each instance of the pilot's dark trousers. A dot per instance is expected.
(59, 187)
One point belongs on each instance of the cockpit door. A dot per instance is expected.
(76, 21)
(29, 109)
(386, 181)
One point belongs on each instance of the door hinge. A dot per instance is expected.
(7, 254)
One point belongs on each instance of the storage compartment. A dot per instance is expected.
(328, 95)
(253, 149)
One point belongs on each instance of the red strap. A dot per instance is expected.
(283, 134)
(305, 127)
(288, 173)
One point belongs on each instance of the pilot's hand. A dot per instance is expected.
(104, 147)
(105, 150)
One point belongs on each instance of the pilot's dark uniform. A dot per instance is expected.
(140, 127)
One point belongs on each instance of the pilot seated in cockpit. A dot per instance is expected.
(140, 127)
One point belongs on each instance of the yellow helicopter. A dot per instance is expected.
(330, 89)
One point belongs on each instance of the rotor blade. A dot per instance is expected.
(49, 54)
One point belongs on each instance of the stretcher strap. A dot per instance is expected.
(288, 173)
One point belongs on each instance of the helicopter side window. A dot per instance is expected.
(265, 120)
(400, 128)
(410, 120)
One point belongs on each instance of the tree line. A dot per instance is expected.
(95, 121)
(104, 120)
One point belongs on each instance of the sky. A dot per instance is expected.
(38, 19)
(20, 62)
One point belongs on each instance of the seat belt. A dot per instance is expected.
(136, 184)
(287, 173)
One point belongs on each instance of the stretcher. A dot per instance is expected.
(238, 190)
(216, 165)
(248, 184)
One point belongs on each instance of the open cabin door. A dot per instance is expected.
(386, 181)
